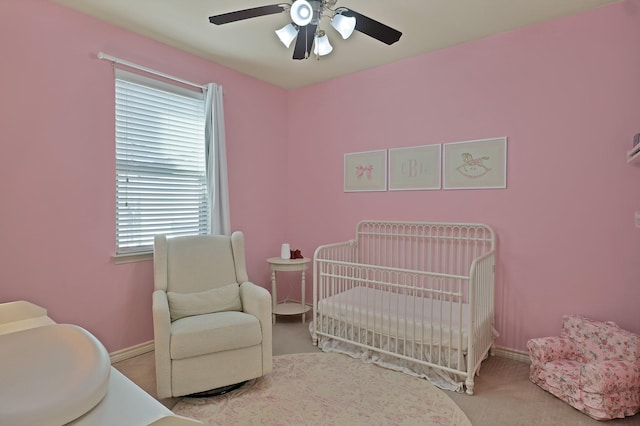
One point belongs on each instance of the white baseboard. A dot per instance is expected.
(512, 354)
(147, 347)
(131, 352)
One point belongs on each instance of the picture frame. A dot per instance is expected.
(365, 171)
(475, 164)
(415, 168)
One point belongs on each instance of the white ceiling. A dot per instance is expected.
(252, 47)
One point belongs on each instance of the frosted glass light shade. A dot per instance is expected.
(344, 25)
(287, 34)
(301, 12)
(322, 46)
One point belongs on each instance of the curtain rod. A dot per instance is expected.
(115, 60)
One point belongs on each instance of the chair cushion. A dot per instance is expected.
(199, 262)
(599, 341)
(605, 377)
(226, 298)
(209, 333)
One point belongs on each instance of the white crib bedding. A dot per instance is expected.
(421, 320)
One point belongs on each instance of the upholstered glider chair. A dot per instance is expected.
(212, 327)
(593, 366)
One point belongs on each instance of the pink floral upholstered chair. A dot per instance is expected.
(593, 366)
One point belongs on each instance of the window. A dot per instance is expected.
(161, 182)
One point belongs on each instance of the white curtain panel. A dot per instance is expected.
(216, 161)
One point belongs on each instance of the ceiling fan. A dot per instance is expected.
(305, 28)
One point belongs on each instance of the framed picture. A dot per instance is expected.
(365, 171)
(479, 164)
(415, 168)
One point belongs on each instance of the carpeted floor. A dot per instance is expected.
(327, 389)
(504, 396)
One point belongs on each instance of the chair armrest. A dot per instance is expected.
(545, 349)
(604, 377)
(257, 302)
(161, 341)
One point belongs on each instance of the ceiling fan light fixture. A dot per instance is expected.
(344, 25)
(322, 46)
(287, 34)
(301, 12)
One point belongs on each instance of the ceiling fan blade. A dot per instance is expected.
(373, 28)
(239, 15)
(304, 42)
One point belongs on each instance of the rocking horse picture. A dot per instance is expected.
(480, 164)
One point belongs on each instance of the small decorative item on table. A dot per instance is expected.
(285, 251)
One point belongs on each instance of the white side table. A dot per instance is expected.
(288, 308)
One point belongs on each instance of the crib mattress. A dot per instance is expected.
(423, 320)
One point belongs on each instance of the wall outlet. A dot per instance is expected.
(637, 217)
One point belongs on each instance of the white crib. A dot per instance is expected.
(419, 295)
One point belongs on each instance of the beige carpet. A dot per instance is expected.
(327, 389)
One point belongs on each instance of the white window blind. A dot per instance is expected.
(161, 185)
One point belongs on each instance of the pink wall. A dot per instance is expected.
(567, 96)
(57, 167)
(564, 93)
